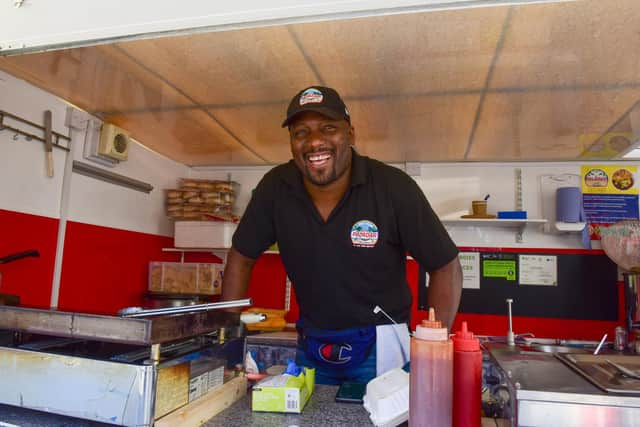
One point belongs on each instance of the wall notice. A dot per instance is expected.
(502, 266)
(539, 270)
(610, 194)
(470, 262)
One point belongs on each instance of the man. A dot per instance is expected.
(344, 224)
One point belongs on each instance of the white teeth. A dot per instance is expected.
(319, 157)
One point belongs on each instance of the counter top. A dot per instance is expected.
(321, 410)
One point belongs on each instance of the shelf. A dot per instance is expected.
(570, 226)
(518, 224)
(494, 222)
(219, 252)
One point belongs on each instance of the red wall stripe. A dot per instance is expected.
(106, 269)
(29, 278)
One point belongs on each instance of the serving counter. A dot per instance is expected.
(321, 410)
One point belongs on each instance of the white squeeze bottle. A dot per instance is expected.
(431, 376)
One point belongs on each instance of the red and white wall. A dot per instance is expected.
(110, 232)
(96, 238)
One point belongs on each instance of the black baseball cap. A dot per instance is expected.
(320, 99)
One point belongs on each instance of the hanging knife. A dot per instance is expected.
(48, 143)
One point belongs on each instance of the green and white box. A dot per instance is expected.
(284, 393)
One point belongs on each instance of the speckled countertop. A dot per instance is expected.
(321, 410)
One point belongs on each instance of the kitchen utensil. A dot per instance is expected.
(19, 255)
(9, 299)
(48, 142)
(628, 372)
(597, 350)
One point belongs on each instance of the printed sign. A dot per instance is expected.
(504, 269)
(470, 262)
(538, 270)
(609, 195)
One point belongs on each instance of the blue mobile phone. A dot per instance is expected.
(351, 392)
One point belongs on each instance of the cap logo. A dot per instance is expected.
(311, 96)
(364, 234)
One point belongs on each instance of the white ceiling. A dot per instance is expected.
(558, 81)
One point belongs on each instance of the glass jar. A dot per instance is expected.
(620, 343)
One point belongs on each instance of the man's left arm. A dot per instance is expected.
(445, 288)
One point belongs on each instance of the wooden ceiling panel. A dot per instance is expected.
(95, 79)
(547, 125)
(191, 137)
(259, 127)
(242, 67)
(444, 51)
(590, 42)
(562, 75)
(426, 129)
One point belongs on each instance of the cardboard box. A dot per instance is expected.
(203, 234)
(185, 278)
(283, 393)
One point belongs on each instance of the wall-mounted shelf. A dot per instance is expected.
(570, 226)
(219, 252)
(518, 224)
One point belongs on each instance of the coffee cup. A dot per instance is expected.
(479, 207)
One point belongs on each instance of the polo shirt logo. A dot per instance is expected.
(364, 234)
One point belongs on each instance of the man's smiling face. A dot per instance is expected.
(321, 147)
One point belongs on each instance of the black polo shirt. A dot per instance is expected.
(342, 268)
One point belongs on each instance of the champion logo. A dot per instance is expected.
(364, 234)
(311, 96)
(335, 353)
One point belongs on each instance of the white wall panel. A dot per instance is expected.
(101, 203)
(450, 188)
(24, 186)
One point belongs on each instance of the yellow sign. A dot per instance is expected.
(609, 179)
(607, 146)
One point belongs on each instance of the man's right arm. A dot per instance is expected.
(237, 272)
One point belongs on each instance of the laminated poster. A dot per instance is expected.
(540, 270)
(609, 195)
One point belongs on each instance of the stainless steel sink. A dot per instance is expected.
(550, 348)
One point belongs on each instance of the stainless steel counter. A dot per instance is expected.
(548, 393)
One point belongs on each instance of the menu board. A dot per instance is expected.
(557, 285)
(610, 194)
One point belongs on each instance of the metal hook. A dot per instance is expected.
(15, 136)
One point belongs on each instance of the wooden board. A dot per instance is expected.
(172, 389)
(201, 410)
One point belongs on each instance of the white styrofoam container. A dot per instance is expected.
(203, 234)
(387, 398)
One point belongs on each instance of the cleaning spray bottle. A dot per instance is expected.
(431, 376)
(467, 379)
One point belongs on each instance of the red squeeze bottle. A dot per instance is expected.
(467, 379)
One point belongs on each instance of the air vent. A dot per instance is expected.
(114, 142)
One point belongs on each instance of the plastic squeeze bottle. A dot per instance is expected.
(467, 379)
(431, 376)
